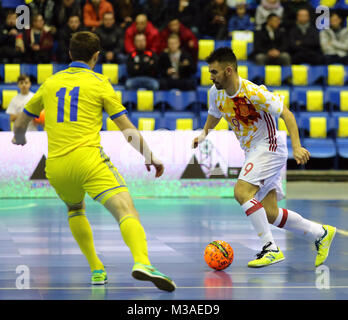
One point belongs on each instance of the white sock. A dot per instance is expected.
(257, 214)
(292, 221)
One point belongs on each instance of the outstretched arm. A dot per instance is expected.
(20, 128)
(301, 154)
(210, 124)
(137, 141)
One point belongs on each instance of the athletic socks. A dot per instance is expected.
(82, 232)
(134, 236)
(257, 214)
(292, 221)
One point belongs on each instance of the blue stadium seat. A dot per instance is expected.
(336, 98)
(303, 120)
(134, 117)
(202, 118)
(299, 97)
(171, 117)
(320, 148)
(202, 98)
(159, 100)
(5, 122)
(342, 148)
(339, 127)
(181, 100)
(129, 99)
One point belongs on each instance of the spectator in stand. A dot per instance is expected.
(46, 9)
(304, 41)
(214, 20)
(271, 43)
(17, 104)
(334, 41)
(176, 66)
(142, 66)
(126, 11)
(73, 25)
(93, 12)
(290, 11)
(37, 42)
(64, 10)
(187, 11)
(240, 21)
(188, 40)
(111, 40)
(156, 12)
(265, 8)
(142, 25)
(9, 52)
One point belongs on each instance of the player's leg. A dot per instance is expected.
(106, 185)
(244, 193)
(82, 233)
(122, 208)
(69, 188)
(322, 236)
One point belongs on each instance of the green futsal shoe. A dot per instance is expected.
(149, 273)
(266, 257)
(323, 244)
(99, 277)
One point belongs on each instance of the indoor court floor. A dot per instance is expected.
(34, 233)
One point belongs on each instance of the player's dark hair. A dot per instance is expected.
(83, 45)
(22, 77)
(223, 55)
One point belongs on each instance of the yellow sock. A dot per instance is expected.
(134, 236)
(83, 235)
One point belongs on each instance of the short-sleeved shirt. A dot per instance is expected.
(17, 104)
(250, 112)
(74, 100)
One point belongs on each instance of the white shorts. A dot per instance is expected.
(265, 169)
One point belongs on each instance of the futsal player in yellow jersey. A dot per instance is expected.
(74, 100)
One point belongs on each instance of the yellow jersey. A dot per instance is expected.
(74, 100)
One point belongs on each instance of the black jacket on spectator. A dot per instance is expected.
(184, 71)
(290, 11)
(8, 52)
(305, 48)
(156, 12)
(188, 16)
(185, 79)
(111, 39)
(62, 13)
(63, 43)
(142, 63)
(263, 42)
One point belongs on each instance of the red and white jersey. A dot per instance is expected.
(250, 113)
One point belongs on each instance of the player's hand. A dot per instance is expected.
(158, 166)
(301, 155)
(19, 141)
(196, 141)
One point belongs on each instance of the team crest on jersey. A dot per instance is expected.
(245, 111)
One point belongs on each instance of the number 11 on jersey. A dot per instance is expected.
(74, 94)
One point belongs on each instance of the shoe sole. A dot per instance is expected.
(99, 282)
(158, 281)
(328, 250)
(266, 265)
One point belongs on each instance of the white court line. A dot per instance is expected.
(29, 205)
(150, 288)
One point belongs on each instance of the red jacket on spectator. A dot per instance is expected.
(152, 38)
(93, 19)
(185, 35)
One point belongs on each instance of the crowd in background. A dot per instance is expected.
(158, 39)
